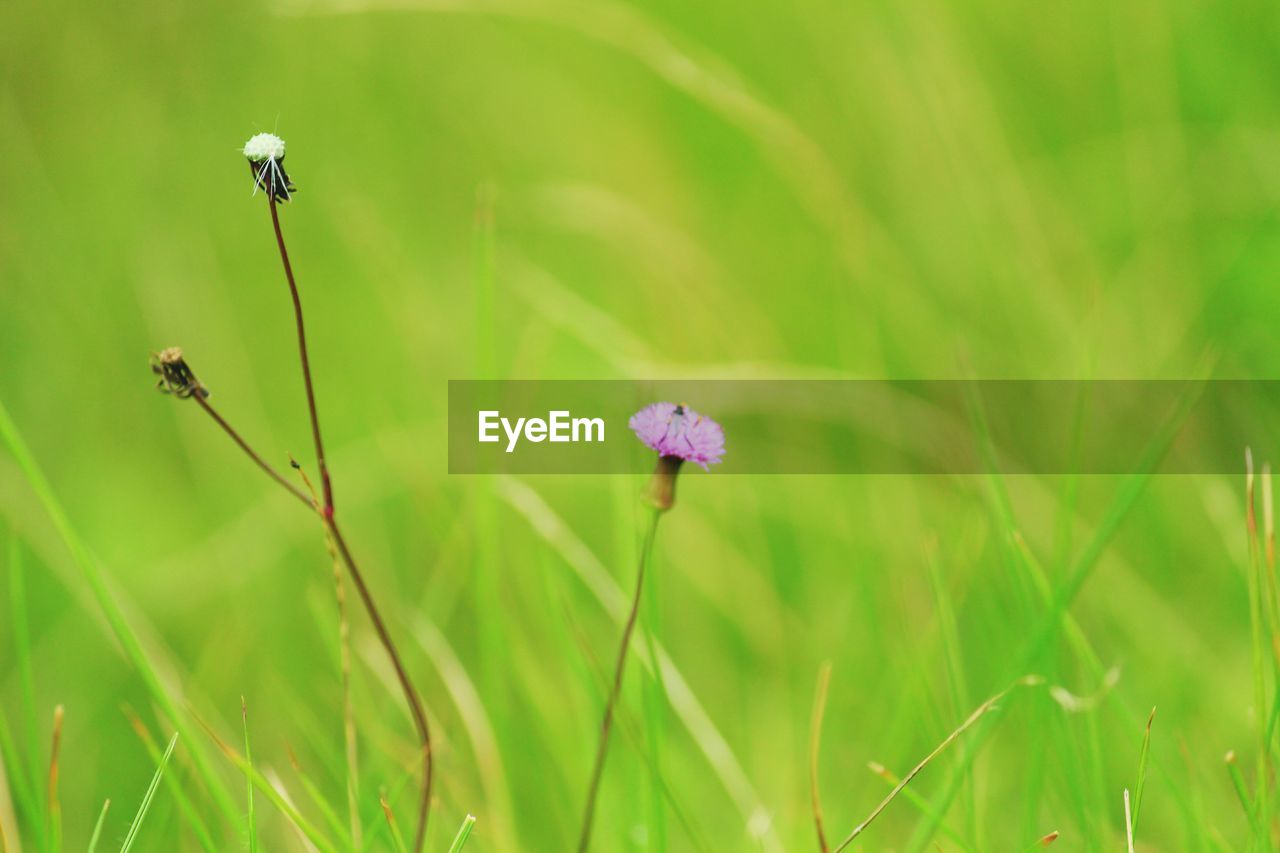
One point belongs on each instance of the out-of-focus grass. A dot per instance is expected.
(554, 189)
(145, 806)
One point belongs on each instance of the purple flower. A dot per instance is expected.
(679, 431)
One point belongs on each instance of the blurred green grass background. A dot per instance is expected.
(592, 190)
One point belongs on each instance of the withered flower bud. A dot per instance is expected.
(661, 490)
(175, 374)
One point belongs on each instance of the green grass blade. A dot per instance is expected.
(464, 832)
(97, 827)
(1143, 758)
(1242, 792)
(1128, 820)
(653, 705)
(55, 806)
(264, 785)
(630, 729)
(720, 756)
(185, 806)
(1081, 569)
(378, 827)
(26, 677)
(1260, 657)
(921, 804)
(145, 805)
(957, 683)
(396, 838)
(978, 714)
(248, 777)
(326, 809)
(96, 579)
(27, 804)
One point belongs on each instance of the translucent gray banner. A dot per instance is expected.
(874, 426)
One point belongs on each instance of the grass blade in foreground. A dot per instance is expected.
(1044, 842)
(815, 740)
(148, 796)
(96, 579)
(248, 777)
(277, 799)
(55, 808)
(1128, 821)
(97, 827)
(26, 679)
(977, 714)
(396, 838)
(464, 832)
(1142, 770)
(1081, 569)
(185, 806)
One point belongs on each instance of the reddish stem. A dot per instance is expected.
(410, 694)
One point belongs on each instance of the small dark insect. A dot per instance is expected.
(175, 374)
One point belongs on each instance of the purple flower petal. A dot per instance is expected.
(679, 431)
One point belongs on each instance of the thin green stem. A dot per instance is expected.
(602, 749)
(464, 832)
(973, 718)
(248, 777)
(97, 827)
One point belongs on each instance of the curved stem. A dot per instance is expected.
(411, 696)
(602, 749)
(252, 454)
(327, 514)
(306, 363)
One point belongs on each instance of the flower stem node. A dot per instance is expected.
(176, 376)
(265, 153)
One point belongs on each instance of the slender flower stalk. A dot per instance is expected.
(679, 435)
(252, 454)
(177, 378)
(606, 727)
(344, 660)
(325, 483)
(269, 157)
(343, 552)
(265, 153)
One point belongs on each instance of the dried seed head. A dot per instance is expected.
(176, 377)
(265, 153)
(264, 146)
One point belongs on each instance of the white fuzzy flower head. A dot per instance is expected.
(264, 146)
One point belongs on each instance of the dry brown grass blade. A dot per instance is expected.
(973, 718)
(815, 740)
